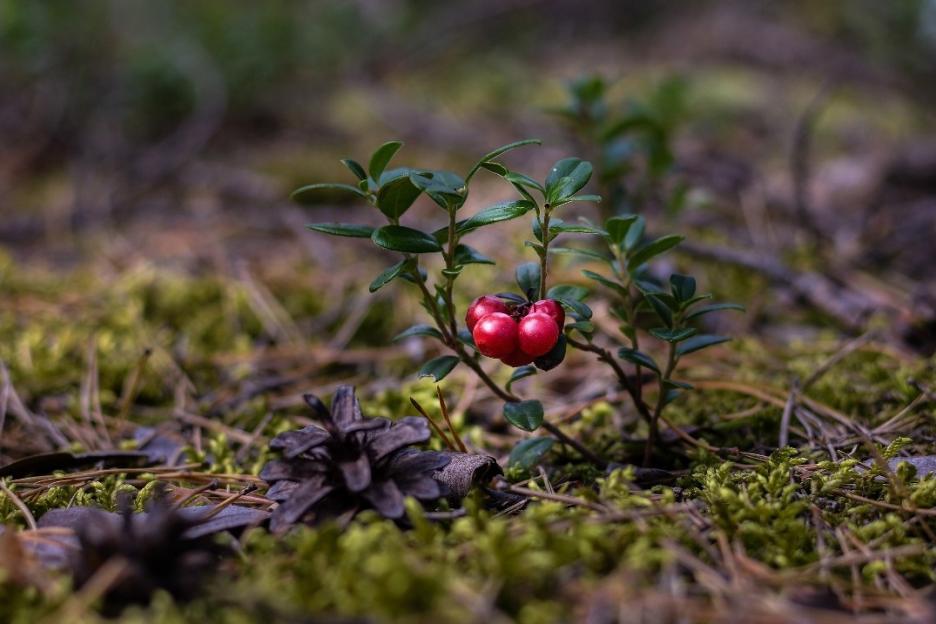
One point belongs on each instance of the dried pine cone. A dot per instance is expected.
(348, 464)
(147, 551)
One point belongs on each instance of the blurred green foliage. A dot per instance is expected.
(147, 63)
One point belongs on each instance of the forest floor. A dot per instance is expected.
(795, 482)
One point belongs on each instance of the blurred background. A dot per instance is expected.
(151, 144)
(112, 111)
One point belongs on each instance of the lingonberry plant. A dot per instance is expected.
(672, 309)
(635, 159)
(522, 331)
(528, 331)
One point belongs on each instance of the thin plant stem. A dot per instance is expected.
(652, 436)
(544, 257)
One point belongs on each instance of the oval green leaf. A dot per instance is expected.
(715, 307)
(395, 196)
(567, 291)
(653, 249)
(638, 357)
(617, 227)
(355, 168)
(683, 286)
(566, 178)
(503, 211)
(439, 367)
(381, 158)
(342, 229)
(582, 253)
(697, 343)
(418, 330)
(387, 276)
(527, 453)
(528, 277)
(405, 239)
(579, 309)
(497, 152)
(526, 415)
(468, 255)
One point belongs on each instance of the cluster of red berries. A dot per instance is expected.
(517, 334)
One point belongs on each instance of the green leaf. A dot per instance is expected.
(528, 278)
(355, 168)
(503, 211)
(527, 415)
(520, 373)
(699, 342)
(521, 179)
(418, 330)
(387, 276)
(439, 367)
(396, 195)
(445, 188)
(578, 308)
(617, 227)
(584, 198)
(696, 300)
(652, 249)
(496, 168)
(673, 335)
(381, 158)
(715, 307)
(635, 233)
(662, 310)
(308, 194)
(604, 281)
(638, 357)
(537, 228)
(342, 229)
(527, 453)
(407, 240)
(651, 288)
(468, 255)
(582, 253)
(575, 228)
(566, 178)
(554, 356)
(683, 286)
(497, 152)
(567, 291)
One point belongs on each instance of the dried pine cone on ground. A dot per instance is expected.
(350, 463)
(144, 552)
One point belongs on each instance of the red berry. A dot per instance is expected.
(538, 333)
(496, 335)
(481, 307)
(552, 308)
(517, 358)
